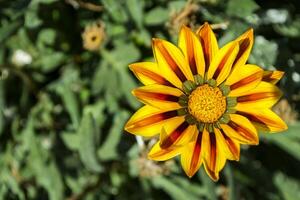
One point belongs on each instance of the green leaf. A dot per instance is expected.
(2, 106)
(31, 18)
(47, 1)
(264, 52)
(127, 85)
(108, 150)
(71, 140)
(115, 10)
(71, 103)
(288, 187)
(231, 184)
(46, 172)
(192, 188)
(87, 134)
(135, 8)
(175, 191)
(49, 61)
(100, 78)
(208, 184)
(289, 30)
(288, 140)
(46, 37)
(8, 179)
(241, 9)
(157, 16)
(7, 30)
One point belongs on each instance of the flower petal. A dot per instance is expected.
(241, 129)
(264, 120)
(245, 45)
(148, 73)
(191, 156)
(265, 95)
(177, 136)
(171, 62)
(159, 96)
(148, 121)
(230, 146)
(272, 76)
(209, 43)
(192, 50)
(214, 157)
(159, 154)
(220, 66)
(243, 79)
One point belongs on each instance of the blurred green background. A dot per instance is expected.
(65, 96)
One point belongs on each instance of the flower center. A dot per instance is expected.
(206, 103)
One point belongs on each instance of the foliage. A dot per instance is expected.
(62, 113)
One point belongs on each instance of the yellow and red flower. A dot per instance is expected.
(203, 100)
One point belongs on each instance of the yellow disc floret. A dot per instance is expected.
(207, 104)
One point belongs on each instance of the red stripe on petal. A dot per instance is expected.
(171, 62)
(242, 130)
(231, 145)
(155, 118)
(156, 77)
(156, 96)
(257, 96)
(222, 63)
(243, 44)
(166, 143)
(261, 120)
(206, 53)
(191, 55)
(197, 152)
(213, 151)
(246, 80)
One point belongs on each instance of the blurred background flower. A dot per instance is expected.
(63, 110)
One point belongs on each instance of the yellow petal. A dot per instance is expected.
(265, 95)
(272, 76)
(177, 136)
(213, 156)
(191, 156)
(148, 121)
(220, 66)
(229, 146)
(209, 43)
(171, 62)
(148, 73)
(159, 154)
(245, 45)
(241, 129)
(159, 96)
(264, 120)
(242, 79)
(192, 50)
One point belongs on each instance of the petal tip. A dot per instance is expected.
(132, 66)
(133, 92)
(190, 173)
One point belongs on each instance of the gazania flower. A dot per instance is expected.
(93, 36)
(203, 100)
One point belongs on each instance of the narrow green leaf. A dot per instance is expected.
(288, 140)
(108, 150)
(87, 133)
(2, 106)
(241, 9)
(71, 103)
(157, 16)
(135, 8)
(288, 187)
(208, 184)
(175, 191)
